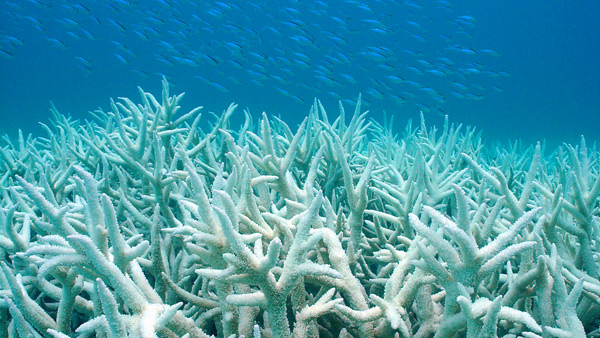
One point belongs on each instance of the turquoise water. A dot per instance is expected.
(512, 69)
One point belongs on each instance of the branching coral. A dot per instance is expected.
(144, 224)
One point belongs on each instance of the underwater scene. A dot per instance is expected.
(382, 168)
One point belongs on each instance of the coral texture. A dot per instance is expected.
(151, 223)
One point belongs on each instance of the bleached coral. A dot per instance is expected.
(145, 224)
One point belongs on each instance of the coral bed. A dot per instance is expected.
(150, 223)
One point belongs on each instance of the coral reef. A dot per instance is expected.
(151, 223)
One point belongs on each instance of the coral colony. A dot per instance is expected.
(149, 223)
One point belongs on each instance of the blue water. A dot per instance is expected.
(524, 70)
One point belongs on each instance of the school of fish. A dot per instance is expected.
(407, 53)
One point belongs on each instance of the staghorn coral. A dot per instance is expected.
(145, 224)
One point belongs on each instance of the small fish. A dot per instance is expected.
(6, 54)
(121, 58)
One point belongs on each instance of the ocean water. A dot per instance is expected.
(524, 70)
